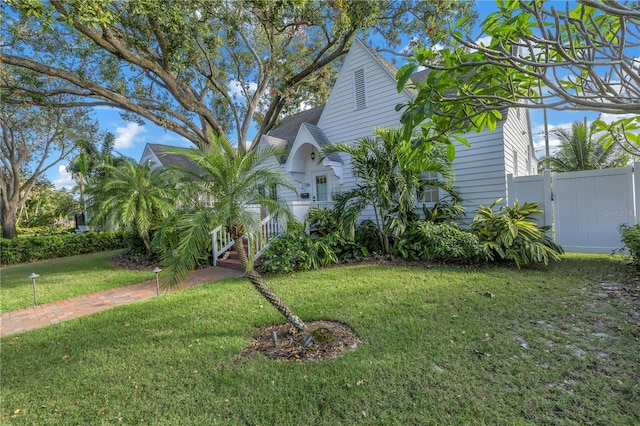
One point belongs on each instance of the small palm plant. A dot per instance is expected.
(390, 171)
(234, 181)
(511, 234)
(132, 195)
(579, 151)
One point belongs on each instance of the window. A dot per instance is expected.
(359, 89)
(428, 193)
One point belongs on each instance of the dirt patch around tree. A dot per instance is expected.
(321, 340)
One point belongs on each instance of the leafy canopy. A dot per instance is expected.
(199, 67)
(532, 55)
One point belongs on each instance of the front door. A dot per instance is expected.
(320, 188)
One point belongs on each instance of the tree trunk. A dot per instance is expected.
(9, 219)
(261, 286)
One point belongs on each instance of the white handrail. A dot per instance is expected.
(221, 240)
(269, 229)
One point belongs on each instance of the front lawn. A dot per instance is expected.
(496, 345)
(63, 278)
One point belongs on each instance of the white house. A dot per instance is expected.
(364, 97)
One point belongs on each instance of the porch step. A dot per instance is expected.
(232, 261)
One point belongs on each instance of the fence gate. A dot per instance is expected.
(585, 208)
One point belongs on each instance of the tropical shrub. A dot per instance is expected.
(510, 233)
(631, 239)
(446, 210)
(29, 249)
(367, 236)
(443, 242)
(322, 221)
(293, 251)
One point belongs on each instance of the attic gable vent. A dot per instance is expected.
(359, 89)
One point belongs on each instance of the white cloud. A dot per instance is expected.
(539, 139)
(126, 136)
(609, 118)
(484, 41)
(63, 179)
(235, 88)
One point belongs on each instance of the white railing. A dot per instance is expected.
(221, 240)
(269, 229)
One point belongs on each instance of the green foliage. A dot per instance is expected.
(390, 169)
(295, 250)
(586, 46)
(511, 234)
(579, 150)
(444, 211)
(367, 236)
(288, 252)
(133, 195)
(290, 48)
(443, 242)
(44, 230)
(29, 249)
(631, 239)
(322, 220)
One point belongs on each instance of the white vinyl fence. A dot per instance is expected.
(584, 208)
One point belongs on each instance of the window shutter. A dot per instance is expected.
(359, 89)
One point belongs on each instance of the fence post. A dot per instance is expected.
(548, 203)
(636, 188)
(510, 189)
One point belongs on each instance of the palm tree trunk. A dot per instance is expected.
(261, 286)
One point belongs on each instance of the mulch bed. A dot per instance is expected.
(329, 339)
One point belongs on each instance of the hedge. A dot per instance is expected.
(39, 247)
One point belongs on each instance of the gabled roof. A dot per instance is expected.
(283, 136)
(318, 135)
(169, 159)
(388, 66)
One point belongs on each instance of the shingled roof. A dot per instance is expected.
(173, 160)
(284, 135)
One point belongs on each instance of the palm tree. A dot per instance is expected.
(579, 151)
(390, 172)
(234, 181)
(132, 195)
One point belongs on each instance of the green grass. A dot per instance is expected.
(558, 352)
(63, 278)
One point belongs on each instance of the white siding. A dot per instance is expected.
(517, 142)
(480, 170)
(341, 122)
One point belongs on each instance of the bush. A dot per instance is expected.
(368, 237)
(631, 239)
(322, 221)
(39, 247)
(296, 251)
(511, 234)
(443, 242)
(45, 230)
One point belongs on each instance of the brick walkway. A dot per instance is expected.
(62, 310)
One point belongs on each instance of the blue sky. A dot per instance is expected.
(131, 138)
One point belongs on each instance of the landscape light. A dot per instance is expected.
(33, 277)
(157, 270)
